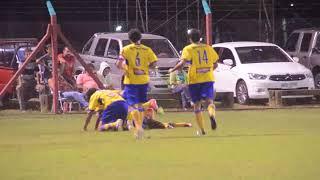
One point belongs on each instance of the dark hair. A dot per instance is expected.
(134, 35)
(194, 35)
(89, 93)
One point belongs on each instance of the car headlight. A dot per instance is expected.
(153, 72)
(257, 76)
(309, 75)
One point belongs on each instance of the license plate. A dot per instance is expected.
(289, 85)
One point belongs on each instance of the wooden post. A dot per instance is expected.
(44, 103)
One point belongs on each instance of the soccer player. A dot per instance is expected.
(203, 60)
(136, 59)
(112, 107)
(149, 121)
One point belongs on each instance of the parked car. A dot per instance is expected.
(8, 60)
(305, 44)
(250, 69)
(105, 47)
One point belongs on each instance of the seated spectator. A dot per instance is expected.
(85, 81)
(104, 75)
(178, 84)
(66, 62)
(26, 81)
(67, 91)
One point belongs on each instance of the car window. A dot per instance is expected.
(101, 47)
(87, 46)
(225, 53)
(291, 44)
(114, 49)
(6, 57)
(261, 54)
(305, 44)
(161, 47)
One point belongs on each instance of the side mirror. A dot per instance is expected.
(295, 59)
(228, 62)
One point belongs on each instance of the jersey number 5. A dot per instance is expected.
(204, 57)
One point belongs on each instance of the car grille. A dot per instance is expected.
(163, 71)
(287, 89)
(287, 77)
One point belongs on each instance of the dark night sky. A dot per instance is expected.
(98, 10)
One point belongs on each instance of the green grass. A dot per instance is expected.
(257, 145)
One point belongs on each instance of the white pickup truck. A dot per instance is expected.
(105, 47)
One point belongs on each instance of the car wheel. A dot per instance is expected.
(317, 83)
(317, 80)
(242, 93)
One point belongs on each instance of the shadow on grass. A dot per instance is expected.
(230, 136)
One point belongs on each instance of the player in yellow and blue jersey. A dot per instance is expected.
(136, 59)
(112, 108)
(202, 60)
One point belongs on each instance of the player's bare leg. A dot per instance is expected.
(212, 113)
(199, 118)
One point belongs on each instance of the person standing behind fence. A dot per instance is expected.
(203, 60)
(136, 59)
(26, 81)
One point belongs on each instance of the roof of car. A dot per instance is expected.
(242, 44)
(124, 36)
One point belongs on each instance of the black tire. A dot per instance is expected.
(242, 96)
(317, 80)
(316, 77)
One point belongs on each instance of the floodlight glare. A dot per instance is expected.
(118, 28)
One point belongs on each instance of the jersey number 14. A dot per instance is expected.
(204, 57)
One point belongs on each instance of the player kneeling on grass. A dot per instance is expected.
(112, 107)
(203, 60)
(150, 108)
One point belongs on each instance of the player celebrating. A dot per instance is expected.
(136, 59)
(112, 107)
(203, 60)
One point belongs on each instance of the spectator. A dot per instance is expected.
(104, 75)
(85, 81)
(67, 91)
(44, 73)
(67, 61)
(26, 81)
(178, 84)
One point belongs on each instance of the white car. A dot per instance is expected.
(250, 69)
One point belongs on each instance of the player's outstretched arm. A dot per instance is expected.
(179, 65)
(89, 116)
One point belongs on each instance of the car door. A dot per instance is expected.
(6, 67)
(225, 74)
(112, 55)
(305, 49)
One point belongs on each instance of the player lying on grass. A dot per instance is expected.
(149, 122)
(203, 60)
(113, 109)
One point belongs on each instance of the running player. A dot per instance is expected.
(136, 59)
(203, 60)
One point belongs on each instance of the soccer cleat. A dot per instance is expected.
(201, 132)
(119, 124)
(213, 123)
(139, 134)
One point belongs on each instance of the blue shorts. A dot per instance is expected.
(116, 110)
(135, 93)
(201, 91)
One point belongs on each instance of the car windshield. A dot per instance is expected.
(161, 47)
(261, 54)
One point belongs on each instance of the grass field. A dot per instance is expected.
(257, 145)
